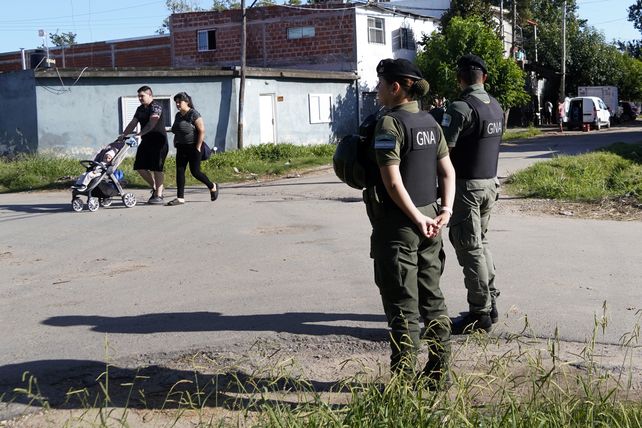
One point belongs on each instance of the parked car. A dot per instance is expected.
(588, 110)
(629, 111)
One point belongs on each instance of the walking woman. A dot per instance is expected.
(412, 156)
(189, 135)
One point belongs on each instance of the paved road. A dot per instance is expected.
(284, 256)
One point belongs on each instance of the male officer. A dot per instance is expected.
(473, 128)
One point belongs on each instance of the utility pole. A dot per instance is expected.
(242, 83)
(514, 25)
(563, 82)
(501, 21)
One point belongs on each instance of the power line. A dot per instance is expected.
(88, 14)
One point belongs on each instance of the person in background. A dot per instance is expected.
(406, 246)
(189, 135)
(548, 112)
(561, 114)
(473, 126)
(153, 149)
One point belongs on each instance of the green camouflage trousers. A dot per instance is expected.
(407, 270)
(474, 200)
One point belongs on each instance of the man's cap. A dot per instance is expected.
(472, 62)
(398, 67)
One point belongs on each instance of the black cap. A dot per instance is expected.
(472, 62)
(398, 67)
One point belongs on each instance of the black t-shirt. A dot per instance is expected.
(184, 127)
(144, 113)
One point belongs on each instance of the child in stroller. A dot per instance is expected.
(104, 160)
(101, 180)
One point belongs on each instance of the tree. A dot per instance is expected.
(63, 39)
(630, 84)
(635, 14)
(438, 58)
(178, 6)
(469, 9)
(632, 47)
(221, 5)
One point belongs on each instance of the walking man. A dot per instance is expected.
(473, 127)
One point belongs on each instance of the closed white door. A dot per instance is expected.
(267, 119)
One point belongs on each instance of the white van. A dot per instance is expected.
(588, 110)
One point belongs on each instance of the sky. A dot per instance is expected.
(99, 20)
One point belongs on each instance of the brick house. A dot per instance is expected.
(349, 37)
(318, 77)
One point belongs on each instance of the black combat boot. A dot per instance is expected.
(472, 322)
(494, 315)
(435, 375)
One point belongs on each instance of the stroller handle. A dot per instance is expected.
(130, 139)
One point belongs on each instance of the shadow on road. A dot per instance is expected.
(84, 384)
(309, 323)
(71, 384)
(280, 183)
(37, 208)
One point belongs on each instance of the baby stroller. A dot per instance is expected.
(104, 184)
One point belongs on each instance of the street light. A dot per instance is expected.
(44, 34)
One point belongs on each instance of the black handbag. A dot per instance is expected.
(206, 152)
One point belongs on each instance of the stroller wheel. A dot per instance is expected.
(92, 204)
(77, 204)
(129, 200)
(105, 202)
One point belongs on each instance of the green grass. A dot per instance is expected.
(40, 172)
(531, 131)
(612, 172)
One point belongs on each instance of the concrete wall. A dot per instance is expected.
(292, 112)
(19, 117)
(52, 114)
(88, 115)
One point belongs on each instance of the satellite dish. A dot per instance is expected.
(41, 33)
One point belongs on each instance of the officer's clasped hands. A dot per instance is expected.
(427, 226)
(442, 219)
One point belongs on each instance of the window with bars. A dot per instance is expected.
(300, 33)
(405, 39)
(320, 108)
(206, 40)
(129, 104)
(376, 30)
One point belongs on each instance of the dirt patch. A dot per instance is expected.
(620, 209)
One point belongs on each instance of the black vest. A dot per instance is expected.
(475, 155)
(418, 165)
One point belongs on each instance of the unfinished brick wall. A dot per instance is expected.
(142, 52)
(267, 42)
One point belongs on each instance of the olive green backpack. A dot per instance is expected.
(351, 162)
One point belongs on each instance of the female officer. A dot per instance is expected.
(412, 156)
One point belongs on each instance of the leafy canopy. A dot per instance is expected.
(63, 39)
(438, 61)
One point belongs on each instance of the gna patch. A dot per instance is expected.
(422, 138)
(385, 142)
